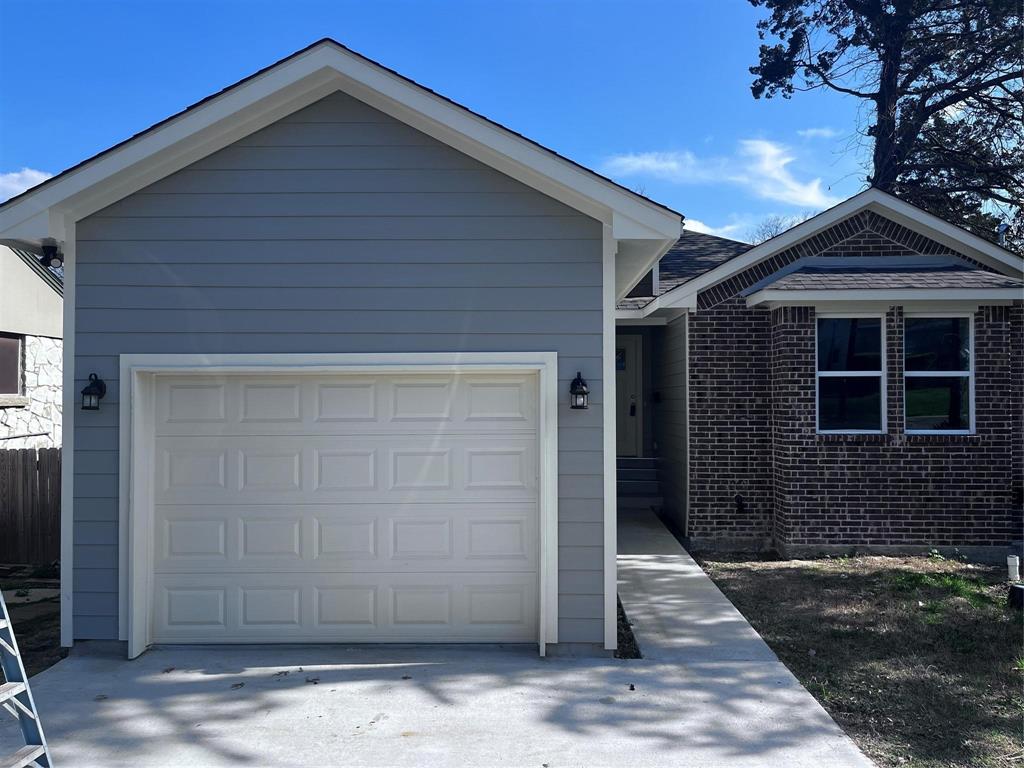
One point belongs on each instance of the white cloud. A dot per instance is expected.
(771, 179)
(818, 133)
(664, 165)
(726, 230)
(758, 165)
(16, 182)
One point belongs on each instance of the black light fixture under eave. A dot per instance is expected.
(52, 257)
(93, 392)
(579, 393)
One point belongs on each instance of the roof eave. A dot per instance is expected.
(298, 81)
(873, 199)
(889, 296)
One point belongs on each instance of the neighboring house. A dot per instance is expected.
(31, 320)
(855, 382)
(338, 317)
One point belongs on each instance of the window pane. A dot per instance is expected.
(937, 344)
(850, 344)
(850, 402)
(940, 402)
(10, 365)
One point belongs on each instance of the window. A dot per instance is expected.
(10, 364)
(938, 379)
(850, 375)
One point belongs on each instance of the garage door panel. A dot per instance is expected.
(373, 469)
(377, 508)
(346, 538)
(192, 608)
(278, 405)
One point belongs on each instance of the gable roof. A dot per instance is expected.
(645, 227)
(902, 213)
(693, 254)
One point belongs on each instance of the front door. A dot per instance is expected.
(628, 395)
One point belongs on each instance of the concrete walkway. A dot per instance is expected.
(681, 618)
(677, 611)
(702, 698)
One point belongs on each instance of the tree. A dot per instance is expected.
(774, 224)
(944, 80)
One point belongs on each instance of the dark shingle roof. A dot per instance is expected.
(846, 277)
(693, 254)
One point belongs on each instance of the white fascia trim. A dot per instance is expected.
(669, 301)
(903, 213)
(889, 296)
(304, 79)
(137, 433)
(67, 478)
(610, 495)
(634, 321)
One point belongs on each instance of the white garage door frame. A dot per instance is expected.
(138, 375)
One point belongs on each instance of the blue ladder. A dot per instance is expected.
(16, 699)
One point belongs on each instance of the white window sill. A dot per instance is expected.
(13, 401)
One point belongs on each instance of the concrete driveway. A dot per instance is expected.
(706, 701)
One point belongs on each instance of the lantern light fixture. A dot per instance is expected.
(93, 392)
(579, 393)
(52, 258)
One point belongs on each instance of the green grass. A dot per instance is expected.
(972, 589)
(917, 658)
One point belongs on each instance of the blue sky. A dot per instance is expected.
(655, 94)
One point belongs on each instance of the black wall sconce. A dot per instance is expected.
(93, 392)
(52, 257)
(579, 393)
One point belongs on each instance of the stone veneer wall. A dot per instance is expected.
(43, 386)
(752, 426)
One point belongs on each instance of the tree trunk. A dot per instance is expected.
(886, 158)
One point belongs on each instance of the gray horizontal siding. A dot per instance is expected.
(337, 180)
(300, 275)
(338, 229)
(344, 252)
(346, 204)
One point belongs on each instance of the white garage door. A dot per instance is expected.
(346, 508)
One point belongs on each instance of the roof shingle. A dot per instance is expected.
(693, 254)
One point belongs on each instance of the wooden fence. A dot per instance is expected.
(30, 505)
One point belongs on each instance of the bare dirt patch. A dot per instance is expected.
(917, 658)
(628, 648)
(33, 600)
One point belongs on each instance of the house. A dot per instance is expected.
(336, 318)
(853, 383)
(31, 319)
(345, 364)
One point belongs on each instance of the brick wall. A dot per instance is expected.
(752, 426)
(894, 489)
(730, 445)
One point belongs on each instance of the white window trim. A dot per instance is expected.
(20, 397)
(882, 375)
(969, 373)
(137, 436)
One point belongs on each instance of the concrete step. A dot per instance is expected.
(647, 462)
(637, 474)
(639, 502)
(639, 488)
